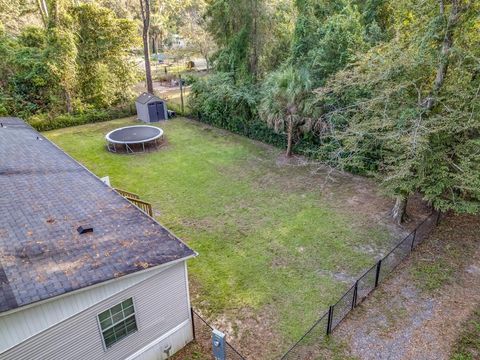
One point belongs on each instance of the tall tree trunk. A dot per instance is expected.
(145, 12)
(429, 102)
(255, 41)
(68, 101)
(289, 136)
(154, 45)
(148, 69)
(43, 9)
(399, 210)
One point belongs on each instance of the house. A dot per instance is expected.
(151, 108)
(84, 274)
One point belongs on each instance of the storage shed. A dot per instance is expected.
(151, 108)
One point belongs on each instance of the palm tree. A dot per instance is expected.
(284, 101)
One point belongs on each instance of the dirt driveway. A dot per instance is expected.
(420, 310)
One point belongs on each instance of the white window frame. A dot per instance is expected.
(134, 314)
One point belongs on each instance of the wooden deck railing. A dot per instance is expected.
(127, 194)
(135, 200)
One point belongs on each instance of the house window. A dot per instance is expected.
(117, 322)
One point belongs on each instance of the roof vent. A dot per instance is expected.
(84, 229)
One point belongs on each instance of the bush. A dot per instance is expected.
(45, 122)
(218, 101)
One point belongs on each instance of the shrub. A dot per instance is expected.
(45, 122)
(218, 101)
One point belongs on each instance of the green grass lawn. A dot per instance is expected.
(269, 240)
(174, 101)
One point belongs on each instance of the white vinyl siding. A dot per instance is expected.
(161, 304)
(26, 322)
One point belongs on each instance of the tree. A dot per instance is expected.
(43, 10)
(80, 61)
(156, 33)
(60, 57)
(284, 102)
(18, 14)
(327, 37)
(241, 29)
(276, 32)
(407, 112)
(61, 49)
(107, 74)
(26, 81)
(145, 16)
(195, 33)
(168, 18)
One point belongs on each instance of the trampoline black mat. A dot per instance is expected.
(135, 134)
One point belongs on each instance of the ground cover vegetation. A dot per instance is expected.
(468, 343)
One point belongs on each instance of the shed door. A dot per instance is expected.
(152, 112)
(160, 111)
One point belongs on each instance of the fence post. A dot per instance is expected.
(355, 295)
(330, 319)
(181, 93)
(377, 275)
(413, 241)
(193, 322)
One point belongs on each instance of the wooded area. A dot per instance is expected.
(379, 87)
(384, 88)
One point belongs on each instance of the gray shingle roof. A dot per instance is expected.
(44, 197)
(145, 98)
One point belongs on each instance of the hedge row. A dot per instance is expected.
(44, 122)
(219, 102)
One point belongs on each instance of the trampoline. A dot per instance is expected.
(134, 139)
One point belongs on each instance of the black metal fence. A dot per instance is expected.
(202, 333)
(309, 346)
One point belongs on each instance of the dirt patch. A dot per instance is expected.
(294, 160)
(418, 312)
(255, 333)
(249, 331)
(347, 193)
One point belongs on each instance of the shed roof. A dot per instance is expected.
(45, 196)
(146, 98)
